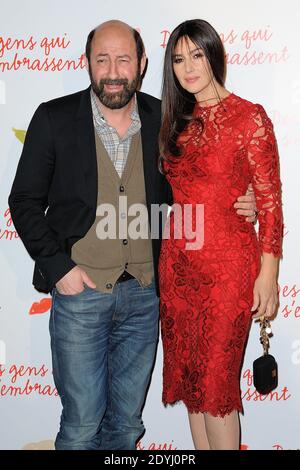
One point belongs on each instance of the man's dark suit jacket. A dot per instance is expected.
(54, 195)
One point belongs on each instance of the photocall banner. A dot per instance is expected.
(41, 57)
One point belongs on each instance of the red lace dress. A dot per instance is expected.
(207, 293)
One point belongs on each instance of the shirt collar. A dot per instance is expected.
(98, 115)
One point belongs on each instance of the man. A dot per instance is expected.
(82, 152)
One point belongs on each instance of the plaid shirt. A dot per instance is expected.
(116, 147)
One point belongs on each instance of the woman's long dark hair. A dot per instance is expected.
(177, 103)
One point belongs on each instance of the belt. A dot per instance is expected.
(125, 276)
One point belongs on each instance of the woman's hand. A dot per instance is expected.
(265, 295)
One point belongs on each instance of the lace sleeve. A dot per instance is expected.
(261, 147)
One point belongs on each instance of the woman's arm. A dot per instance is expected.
(263, 160)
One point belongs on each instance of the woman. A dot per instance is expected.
(213, 144)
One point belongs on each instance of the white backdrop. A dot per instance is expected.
(263, 53)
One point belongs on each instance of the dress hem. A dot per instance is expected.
(193, 409)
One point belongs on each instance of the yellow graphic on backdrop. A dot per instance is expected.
(20, 135)
(42, 445)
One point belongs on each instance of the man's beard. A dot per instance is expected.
(116, 100)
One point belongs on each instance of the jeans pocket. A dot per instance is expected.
(68, 295)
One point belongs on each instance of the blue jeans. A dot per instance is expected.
(103, 349)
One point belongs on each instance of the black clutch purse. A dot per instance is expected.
(265, 369)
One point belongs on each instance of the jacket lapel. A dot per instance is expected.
(149, 133)
(87, 147)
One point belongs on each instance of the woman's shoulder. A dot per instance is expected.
(249, 106)
(252, 112)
